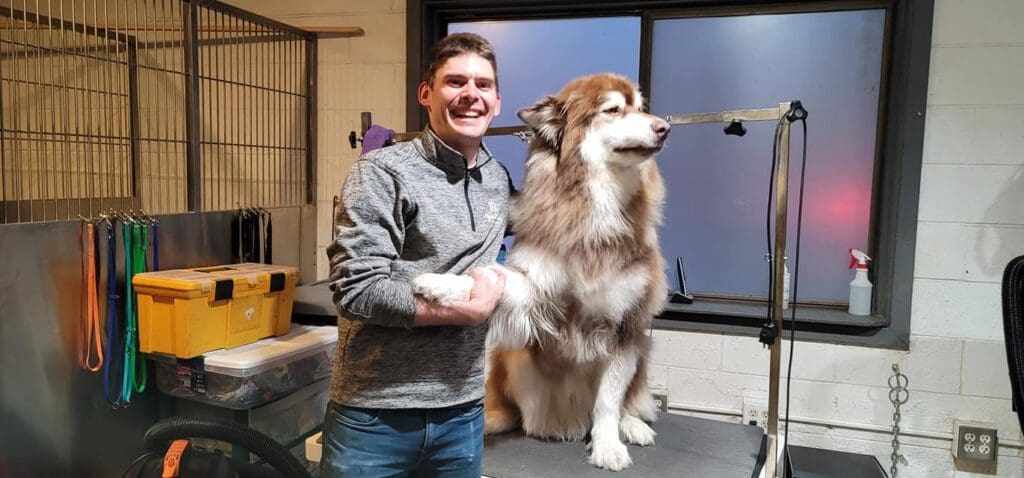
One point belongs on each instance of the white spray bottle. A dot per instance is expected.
(860, 286)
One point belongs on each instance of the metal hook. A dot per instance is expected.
(152, 220)
(106, 219)
(143, 217)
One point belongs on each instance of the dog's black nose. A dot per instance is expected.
(661, 127)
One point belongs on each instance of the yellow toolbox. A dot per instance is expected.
(187, 312)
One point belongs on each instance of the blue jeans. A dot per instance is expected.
(360, 442)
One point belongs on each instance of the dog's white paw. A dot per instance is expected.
(442, 288)
(610, 455)
(635, 431)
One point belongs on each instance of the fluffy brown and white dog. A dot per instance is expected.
(568, 343)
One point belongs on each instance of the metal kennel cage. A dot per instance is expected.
(158, 105)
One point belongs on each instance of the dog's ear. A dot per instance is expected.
(547, 119)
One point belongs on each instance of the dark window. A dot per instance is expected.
(718, 184)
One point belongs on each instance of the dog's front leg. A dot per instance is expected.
(521, 317)
(607, 450)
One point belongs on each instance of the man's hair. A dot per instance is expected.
(457, 44)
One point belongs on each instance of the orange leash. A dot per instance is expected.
(91, 337)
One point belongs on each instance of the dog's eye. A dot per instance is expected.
(614, 110)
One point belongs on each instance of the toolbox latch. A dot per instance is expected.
(276, 281)
(223, 289)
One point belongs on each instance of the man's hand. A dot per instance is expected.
(488, 288)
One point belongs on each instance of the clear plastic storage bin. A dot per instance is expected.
(251, 375)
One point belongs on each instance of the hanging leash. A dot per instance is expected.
(112, 368)
(127, 352)
(156, 244)
(252, 244)
(268, 239)
(141, 243)
(135, 259)
(91, 339)
(236, 237)
(261, 224)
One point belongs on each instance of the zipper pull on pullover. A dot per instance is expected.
(469, 203)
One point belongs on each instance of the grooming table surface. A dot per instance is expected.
(685, 446)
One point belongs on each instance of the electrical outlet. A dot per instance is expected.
(755, 411)
(660, 400)
(975, 447)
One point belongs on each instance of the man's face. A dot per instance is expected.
(462, 99)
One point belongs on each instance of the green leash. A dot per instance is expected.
(135, 245)
(139, 258)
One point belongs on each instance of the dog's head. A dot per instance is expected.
(600, 116)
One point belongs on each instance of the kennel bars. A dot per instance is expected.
(163, 105)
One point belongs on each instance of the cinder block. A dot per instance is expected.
(687, 349)
(989, 249)
(956, 309)
(940, 250)
(963, 22)
(984, 194)
(984, 371)
(974, 134)
(989, 75)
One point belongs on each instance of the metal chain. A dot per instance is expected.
(898, 395)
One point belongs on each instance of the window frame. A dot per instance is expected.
(899, 140)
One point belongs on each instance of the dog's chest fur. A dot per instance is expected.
(602, 226)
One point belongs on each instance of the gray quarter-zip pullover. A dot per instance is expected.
(406, 210)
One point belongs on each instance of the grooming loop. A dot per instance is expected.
(773, 327)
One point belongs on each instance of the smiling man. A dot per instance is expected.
(408, 381)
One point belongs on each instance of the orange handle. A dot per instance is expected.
(172, 459)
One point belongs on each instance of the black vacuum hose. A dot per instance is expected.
(1013, 328)
(163, 432)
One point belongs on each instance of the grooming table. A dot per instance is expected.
(685, 447)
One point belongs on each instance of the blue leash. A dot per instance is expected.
(156, 246)
(112, 366)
